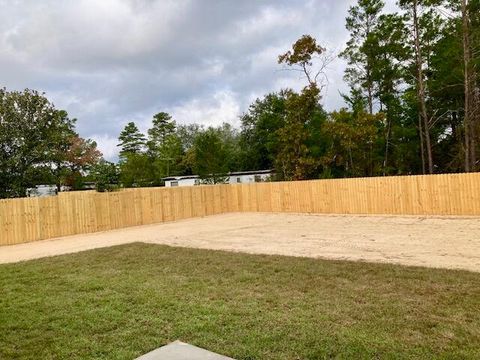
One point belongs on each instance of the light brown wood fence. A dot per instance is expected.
(30, 219)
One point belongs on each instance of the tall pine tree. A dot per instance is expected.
(131, 141)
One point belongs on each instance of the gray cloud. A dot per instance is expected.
(113, 61)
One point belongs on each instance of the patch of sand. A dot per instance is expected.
(443, 242)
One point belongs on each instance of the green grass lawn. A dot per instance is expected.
(123, 301)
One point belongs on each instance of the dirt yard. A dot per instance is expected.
(443, 242)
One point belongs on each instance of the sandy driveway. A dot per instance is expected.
(434, 241)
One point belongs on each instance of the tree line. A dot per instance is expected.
(418, 67)
(413, 108)
(413, 105)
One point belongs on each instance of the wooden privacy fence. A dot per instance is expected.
(30, 219)
(69, 213)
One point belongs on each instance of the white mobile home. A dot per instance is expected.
(189, 180)
(45, 190)
(239, 177)
(246, 177)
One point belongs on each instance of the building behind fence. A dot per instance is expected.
(31, 219)
(240, 177)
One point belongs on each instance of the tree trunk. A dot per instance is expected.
(387, 144)
(421, 87)
(369, 74)
(370, 100)
(475, 122)
(469, 122)
(422, 148)
(466, 71)
(369, 92)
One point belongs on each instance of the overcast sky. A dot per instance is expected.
(108, 62)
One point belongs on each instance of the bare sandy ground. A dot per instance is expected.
(443, 242)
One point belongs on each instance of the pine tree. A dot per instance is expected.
(132, 141)
(163, 126)
(361, 50)
(424, 28)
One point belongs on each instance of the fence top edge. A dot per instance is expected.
(209, 186)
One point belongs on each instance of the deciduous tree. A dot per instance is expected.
(33, 137)
(210, 156)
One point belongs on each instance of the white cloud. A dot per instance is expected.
(109, 62)
(86, 34)
(221, 107)
(107, 145)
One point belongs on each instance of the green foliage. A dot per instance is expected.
(131, 141)
(105, 175)
(162, 127)
(362, 48)
(162, 157)
(38, 144)
(294, 160)
(230, 139)
(210, 156)
(385, 53)
(353, 147)
(169, 156)
(259, 141)
(187, 134)
(138, 170)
